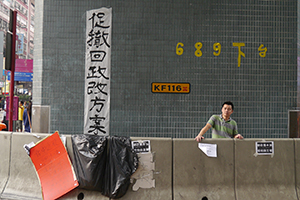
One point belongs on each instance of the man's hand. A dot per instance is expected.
(202, 132)
(199, 138)
(239, 136)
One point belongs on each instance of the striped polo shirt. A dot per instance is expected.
(222, 128)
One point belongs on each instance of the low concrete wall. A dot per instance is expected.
(162, 149)
(5, 140)
(182, 170)
(265, 176)
(78, 193)
(23, 182)
(162, 175)
(197, 176)
(297, 166)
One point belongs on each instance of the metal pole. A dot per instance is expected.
(12, 72)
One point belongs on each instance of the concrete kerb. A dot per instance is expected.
(23, 181)
(5, 143)
(197, 176)
(265, 176)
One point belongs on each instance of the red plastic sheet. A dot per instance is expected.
(53, 167)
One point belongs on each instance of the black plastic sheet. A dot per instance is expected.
(104, 163)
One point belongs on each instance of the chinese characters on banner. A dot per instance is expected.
(97, 71)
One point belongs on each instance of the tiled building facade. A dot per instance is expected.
(245, 52)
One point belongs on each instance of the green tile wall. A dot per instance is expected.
(144, 40)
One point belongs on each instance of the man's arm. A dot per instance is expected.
(202, 132)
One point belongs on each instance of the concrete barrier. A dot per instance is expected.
(23, 181)
(182, 170)
(79, 194)
(197, 176)
(5, 140)
(162, 150)
(265, 176)
(297, 165)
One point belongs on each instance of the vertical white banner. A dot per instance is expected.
(97, 71)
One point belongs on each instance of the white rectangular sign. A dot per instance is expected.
(97, 71)
(264, 148)
(209, 149)
(141, 146)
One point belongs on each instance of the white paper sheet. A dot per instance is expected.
(209, 149)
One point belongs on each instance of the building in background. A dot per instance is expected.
(25, 34)
(25, 24)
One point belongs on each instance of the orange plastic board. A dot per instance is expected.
(53, 167)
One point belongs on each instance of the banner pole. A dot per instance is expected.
(12, 72)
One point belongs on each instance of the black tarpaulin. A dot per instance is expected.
(104, 163)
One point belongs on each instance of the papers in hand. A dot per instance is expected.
(209, 149)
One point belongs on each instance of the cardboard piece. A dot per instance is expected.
(53, 167)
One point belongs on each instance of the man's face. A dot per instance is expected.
(227, 110)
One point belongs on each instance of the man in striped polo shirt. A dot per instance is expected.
(223, 126)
